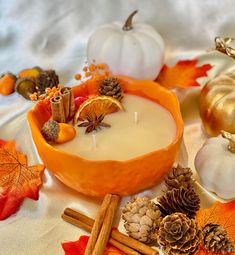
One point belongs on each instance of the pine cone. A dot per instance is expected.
(181, 200)
(216, 239)
(142, 218)
(46, 79)
(179, 235)
(111, 87)
(179, 177)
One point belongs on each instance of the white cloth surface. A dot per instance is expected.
(53, 34)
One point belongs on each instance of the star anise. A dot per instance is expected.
(94, 122)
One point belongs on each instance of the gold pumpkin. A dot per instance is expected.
(217, 104)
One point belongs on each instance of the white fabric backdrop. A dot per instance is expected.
(53, 34)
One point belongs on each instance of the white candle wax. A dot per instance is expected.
(124, 139)
(94, 141)
(136, 117)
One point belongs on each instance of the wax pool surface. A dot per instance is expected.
(125, 139)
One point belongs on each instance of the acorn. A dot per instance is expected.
(30, 72)
(56, 132)
(7, 83)
(25, 86)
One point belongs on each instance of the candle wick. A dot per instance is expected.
(94, 143)
(136, 118)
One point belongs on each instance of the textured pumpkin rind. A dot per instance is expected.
(217, 107)
(97, 178)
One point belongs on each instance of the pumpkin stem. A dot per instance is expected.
(231, 139)
(128, 24)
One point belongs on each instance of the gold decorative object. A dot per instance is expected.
(224, 45)
(231, 139)
(217, 104)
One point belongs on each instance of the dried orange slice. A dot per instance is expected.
(100, 105)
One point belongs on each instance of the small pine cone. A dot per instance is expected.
(46, 79)
(111, 87)
(182, 200)
(179, 235)
(179, 177)
(142, 219)
(216, 239)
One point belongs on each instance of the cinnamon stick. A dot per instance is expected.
(79, 216)
(88, 228)
(106, 227)
(65, 92)
(123, 247)
(74, 217)
(76, 222)
(98, 224)
(72, 108)
(133, 243)
(57, 109)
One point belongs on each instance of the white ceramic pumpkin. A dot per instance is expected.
(136, 51)
(215, 164)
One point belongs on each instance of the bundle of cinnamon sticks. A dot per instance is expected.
(102, 231)
(63, 106)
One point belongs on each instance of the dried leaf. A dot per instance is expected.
(78, 247)
(219, 213)
(17, 179)
(2, 142)
(183, 75)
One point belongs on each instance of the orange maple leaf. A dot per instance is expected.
(17, 179)
(219, 213)
(78, 247)
(183, 75)
(2, 142)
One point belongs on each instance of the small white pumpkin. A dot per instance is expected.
(215, 164)
(136, 51)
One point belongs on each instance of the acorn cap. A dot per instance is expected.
(38, 68)
(10, 74)
(25, 86)
(50, 130)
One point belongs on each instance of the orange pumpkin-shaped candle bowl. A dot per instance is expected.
(99, 177)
